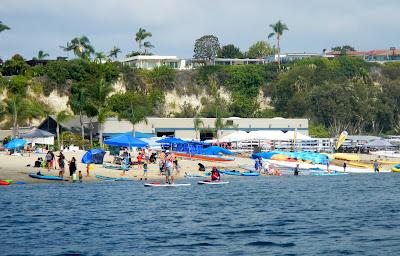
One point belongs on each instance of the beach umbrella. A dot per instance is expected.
(15, 143)
(125, 140)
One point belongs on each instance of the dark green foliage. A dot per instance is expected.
(18, 85)
(230, 51)
(14, 66)
(162, 77)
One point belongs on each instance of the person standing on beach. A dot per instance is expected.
(327, 166)
(72, 169)
(48, 160)
(169, 165)
(376, 167)
(61, 164)
(344, 166)
(258, 165)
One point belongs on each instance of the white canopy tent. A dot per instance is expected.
(241, 136)
(37, 136)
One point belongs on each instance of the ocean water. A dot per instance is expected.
(338, 215)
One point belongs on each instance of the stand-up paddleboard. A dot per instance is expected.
(45, 177)
(209, 182)
(327, 173)
(159, 184)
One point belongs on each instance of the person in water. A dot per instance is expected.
(215, 176)
(80, 176)
(297, 170)
(344, 166)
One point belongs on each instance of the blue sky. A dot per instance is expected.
(176, 24)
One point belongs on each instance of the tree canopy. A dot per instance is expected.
(206, 48)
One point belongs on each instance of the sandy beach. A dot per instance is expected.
(17, 169)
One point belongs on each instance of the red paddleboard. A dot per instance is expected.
(4, 183)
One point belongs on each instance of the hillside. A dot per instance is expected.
(337, 94)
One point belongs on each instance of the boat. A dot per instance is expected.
(211, 158)
(45, 177)
(209, 182)
(159, 184)
(112, 178)
(396, 168)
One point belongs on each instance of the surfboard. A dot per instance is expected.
(209, 182)
(159, 184)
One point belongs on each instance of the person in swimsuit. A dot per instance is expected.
(297, 170)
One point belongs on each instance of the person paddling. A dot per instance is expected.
(215, 176)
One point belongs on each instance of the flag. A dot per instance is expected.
(341, 139)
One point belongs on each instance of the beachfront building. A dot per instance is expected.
(153, 61)
(288, 57)
(184, 127)
(380, 56)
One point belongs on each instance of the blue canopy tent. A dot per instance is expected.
(215, 150)
(15, 143)
(125, 140)
(171, 140)
(93, 156)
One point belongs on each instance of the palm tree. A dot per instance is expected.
(114, 52)
(102, 115)
(197, 122)
(219, 125)
(80, 46)
(20, 110)
(3, 27)
(61, 117)
(100, 56)
(147, 46)
(278, 29)
(41, 55)
(141, 35)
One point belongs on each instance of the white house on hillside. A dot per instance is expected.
(152, 61)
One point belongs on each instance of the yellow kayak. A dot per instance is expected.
(387, 162)
(361, 165)
(395, 169)
(347, 157)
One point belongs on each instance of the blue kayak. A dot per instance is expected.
(44, 177)
(235, 173)
(250, 174)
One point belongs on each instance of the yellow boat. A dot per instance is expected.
(347, 157)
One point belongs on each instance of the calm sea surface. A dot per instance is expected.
(305, 215)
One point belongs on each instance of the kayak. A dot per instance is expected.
(111, 178)
(209, 182)
(250, 174)
(44, 177)
(328, 173)
(159, 184)
(235, 173)
(113, 167)
(212, 158)
(4, 183)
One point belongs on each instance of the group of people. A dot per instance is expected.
(268, 169)
(49, 162)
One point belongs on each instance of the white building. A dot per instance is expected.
(153, 61)
(287, 57)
